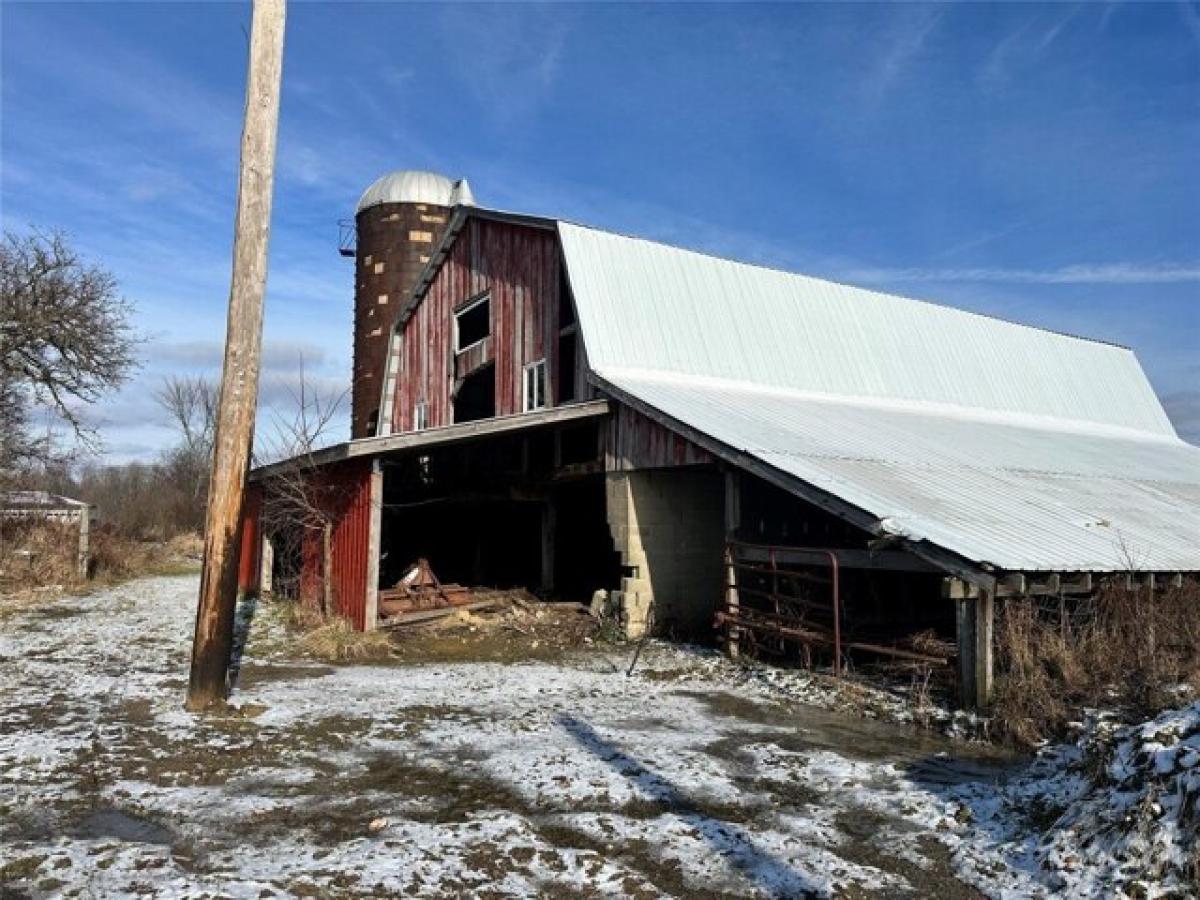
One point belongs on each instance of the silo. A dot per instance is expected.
(398, 220)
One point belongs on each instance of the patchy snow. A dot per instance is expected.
(692, 778)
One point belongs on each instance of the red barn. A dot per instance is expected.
(543, 404)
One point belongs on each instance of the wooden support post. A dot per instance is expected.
(549, 534)
(963, 594)
(984, 620)
(213, 639)
(374, 547)
(85, 531)
(974, 616)
(733, 520)
(266, 569)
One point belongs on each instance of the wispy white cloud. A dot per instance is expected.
(1101, 273)
(905, 44)
(1021, 48)
(509, 62)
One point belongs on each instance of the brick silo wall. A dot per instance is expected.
(394, 241)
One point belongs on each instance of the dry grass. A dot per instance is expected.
(41, 554)
(38, 553)
(337, 641)
(1129, 649)
(115, 557)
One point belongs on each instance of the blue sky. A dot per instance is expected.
(1037, 162)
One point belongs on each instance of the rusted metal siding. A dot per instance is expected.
(634, 441)
(518, 266)
(351, 511)
(250, 553)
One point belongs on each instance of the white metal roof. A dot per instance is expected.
(1004, 444)
(416, 186)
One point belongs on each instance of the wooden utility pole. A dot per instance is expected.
(213, 640)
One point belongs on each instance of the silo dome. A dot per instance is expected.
(416, 186)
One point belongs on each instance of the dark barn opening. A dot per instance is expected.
(476, 397)
(566, 368)
(879, 606)
(512, 511)
(584, 559)
(489, 542)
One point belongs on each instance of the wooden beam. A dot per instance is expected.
(1049, 585)
(733, 521)
(959, 589)
(1022, 584)
(984, 618)
(1077, 583)
(1013, 585)
(374, 547)
(429, 438)
(974, 617)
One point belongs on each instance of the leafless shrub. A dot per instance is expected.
(191, 404)
(299, 504)
(1132, 650)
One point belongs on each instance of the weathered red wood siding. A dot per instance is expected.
(351, 509)
(637, 442)
(250, 555)
(518, 266)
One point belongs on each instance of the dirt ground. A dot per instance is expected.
(458, 767)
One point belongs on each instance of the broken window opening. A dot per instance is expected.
(476, 396)
(534, 385)
(472, 323)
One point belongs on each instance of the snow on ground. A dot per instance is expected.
(534, 778)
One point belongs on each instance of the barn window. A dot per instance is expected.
(421, 416)
(472, 323)
(534, 385)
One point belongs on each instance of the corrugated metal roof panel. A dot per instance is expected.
(1016, 495)
(648, 305)
(1005, 444)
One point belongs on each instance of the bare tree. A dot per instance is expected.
(191, 403)
(65, 339)
(295, 499)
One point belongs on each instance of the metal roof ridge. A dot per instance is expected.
(844, 284)
(944, 410)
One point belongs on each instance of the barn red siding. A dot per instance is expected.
(351, 538)
(250, 551)
(637, 442)
(519, 266)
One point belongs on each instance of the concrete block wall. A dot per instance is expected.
(669, 527)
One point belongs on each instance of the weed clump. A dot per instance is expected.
(337, 641)
(1136, 650)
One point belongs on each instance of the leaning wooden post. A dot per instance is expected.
(239, 376)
